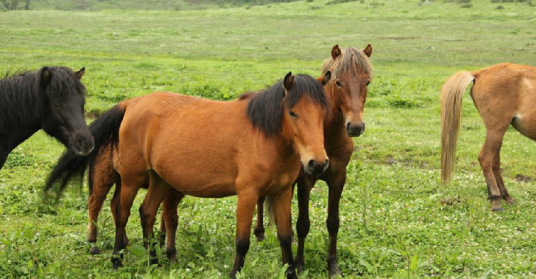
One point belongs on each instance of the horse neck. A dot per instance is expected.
(334, 122)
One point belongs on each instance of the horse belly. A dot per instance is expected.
(525, 123)
(196, 171)
(525, 119)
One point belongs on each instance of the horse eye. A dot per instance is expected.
(338, 84)
(57, 105)
(293, 114)
(368, 82)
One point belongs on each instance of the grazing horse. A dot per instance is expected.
(51, 99)
(503, 94)
(252, 147)
(351, 73)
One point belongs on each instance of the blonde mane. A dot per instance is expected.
(351, 59)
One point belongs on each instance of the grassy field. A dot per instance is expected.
(397, 219)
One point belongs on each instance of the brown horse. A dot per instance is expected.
(347, 94)
(351, 73)
(503, 94)
(252, 147)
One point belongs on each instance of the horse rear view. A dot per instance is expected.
(503, 94)
(51, 99)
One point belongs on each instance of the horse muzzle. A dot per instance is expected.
(315, 167)
(355, 130)
(82, 143)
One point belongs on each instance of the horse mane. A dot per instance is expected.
(350, 59)
(266, 108)
(23, 96)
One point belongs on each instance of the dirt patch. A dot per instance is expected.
(523, 178)
(451, 201)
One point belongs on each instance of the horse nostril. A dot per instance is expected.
(363, 129)
(311, 164)
(348, 126)
(80, 142)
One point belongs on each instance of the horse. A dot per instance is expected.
(351, 73)
(347, 95)
(504, 95)
(251, 147)
(51, 99)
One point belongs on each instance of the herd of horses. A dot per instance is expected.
(257, 147)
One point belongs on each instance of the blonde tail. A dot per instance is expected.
(451, 109)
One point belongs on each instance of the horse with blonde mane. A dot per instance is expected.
(504, 95)
(351, 73)
(251, 147)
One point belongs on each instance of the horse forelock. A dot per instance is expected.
(63, 83)
(266, 108)
(351, 59)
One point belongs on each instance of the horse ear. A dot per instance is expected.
(80, 73)
(288, 82)
(325, 78)
(335, 51)
(368, 50)
(46, 75)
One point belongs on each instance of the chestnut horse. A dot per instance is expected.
(252, 147)
(51, 99)
(351, 73)
(503, 94)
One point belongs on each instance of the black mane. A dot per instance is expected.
(265, 109)
(23, 97)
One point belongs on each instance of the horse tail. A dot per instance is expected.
(269, 203)
(105, 131)
(451, 108)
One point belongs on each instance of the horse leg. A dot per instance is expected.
(158, 190)
(259, 227)
(336, 185)
(244, 219)
(281, 208)
(498, 176)
(95, 201)
(127, 195)
(162, 236)
(305, 184)
(113, 206)
(486, 158)
(170, 221)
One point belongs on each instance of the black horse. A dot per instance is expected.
(51, 99)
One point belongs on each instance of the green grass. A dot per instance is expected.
(397, 220)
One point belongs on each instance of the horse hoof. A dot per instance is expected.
(94, 250)
(334, 271)
(172, 255)
(298, 263)
(153, 261)
(299, 268)
(259, 234)
(291, 274)
(117, 264)
(497, 209)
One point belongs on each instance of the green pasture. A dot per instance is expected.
(397, 219)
